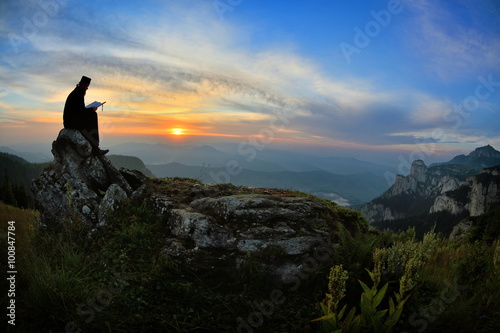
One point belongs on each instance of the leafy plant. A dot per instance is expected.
(371, 319)
(355, 249)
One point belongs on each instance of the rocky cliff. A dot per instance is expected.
(472, 195)
(205, 226)
(447, 187)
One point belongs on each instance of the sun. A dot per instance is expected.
(177, 131)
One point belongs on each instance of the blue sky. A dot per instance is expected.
(357, 78)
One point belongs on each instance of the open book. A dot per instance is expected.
(95, 104)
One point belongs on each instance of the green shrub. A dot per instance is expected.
(474, 266)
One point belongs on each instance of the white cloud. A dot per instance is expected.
(429, 110)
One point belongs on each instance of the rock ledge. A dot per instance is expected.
(78, 186)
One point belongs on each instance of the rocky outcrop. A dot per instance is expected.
(456, 189)
(206, 226)
(445, 203)
(79, 186)
(222, 230)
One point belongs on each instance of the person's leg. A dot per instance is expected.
(91, 132)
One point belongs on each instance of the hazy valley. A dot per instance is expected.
(347, 181)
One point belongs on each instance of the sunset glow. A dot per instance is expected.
(178, 131)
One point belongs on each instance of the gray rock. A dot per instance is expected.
(69, 142)
(445, 203)
(115, 177)
(133, 177)
(461, 229)
(111, 202)
(199, 228)
(70, 188)
(483, 193)
(161, 204)
(278, 230)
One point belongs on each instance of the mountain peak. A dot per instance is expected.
(486, 151)
(484, 157)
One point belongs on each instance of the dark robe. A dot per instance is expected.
(77, 116)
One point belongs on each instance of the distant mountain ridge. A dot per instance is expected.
(31, 157)
(155, 154)
(18, 170)
(130, 162)
(484, 157)
(15, 179)
(269, 160)
(350, 181)
(355, 183)
(351, 189)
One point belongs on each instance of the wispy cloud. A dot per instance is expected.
(455, 38)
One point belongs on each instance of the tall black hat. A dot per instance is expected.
(85, 80)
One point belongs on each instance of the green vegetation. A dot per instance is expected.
(442, 221)
(15, 180)
(370, 319)
(119, 280)
(437, 285)
(487, 226)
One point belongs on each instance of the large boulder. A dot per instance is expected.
(287, 235)
(79, 186)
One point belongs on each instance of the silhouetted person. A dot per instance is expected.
(77, 116)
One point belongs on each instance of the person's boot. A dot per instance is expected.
(99, 152)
